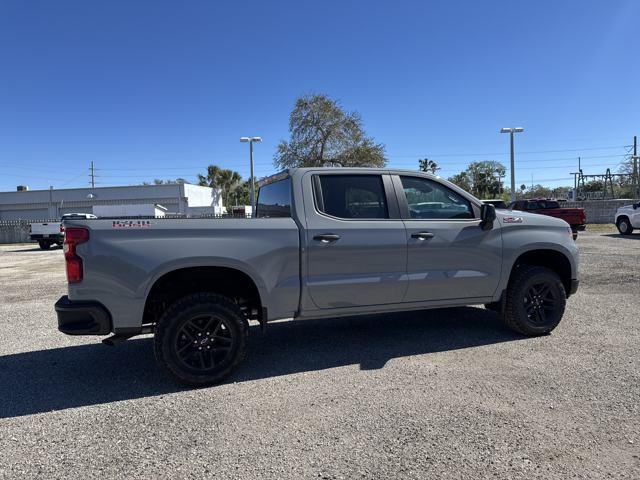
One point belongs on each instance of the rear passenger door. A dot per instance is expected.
(449, 255)
(356, 241)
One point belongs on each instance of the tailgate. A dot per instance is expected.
(52, 228)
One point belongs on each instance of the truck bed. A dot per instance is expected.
(139, 252)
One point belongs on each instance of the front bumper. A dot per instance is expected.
(82, 318)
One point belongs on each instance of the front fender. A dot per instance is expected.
(518, 243)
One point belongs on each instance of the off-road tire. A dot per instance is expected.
(520, 301)
(44, 245)
(174, 335)
(624, 226)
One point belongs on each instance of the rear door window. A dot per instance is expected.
(351, 196)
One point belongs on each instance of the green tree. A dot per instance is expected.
(594, 186)
(538, 191)
(212, 178)
(241, 194)
(487, 178)
(158, 181)
(427, 165)
(224, 180)
(323, 133)
(482, 179)
(462, 180)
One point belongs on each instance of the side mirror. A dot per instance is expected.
(487, 216)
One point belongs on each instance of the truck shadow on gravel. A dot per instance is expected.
(617, 236)
(35, 249)
(76, 376)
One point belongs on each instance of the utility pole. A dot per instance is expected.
(252, 193)
(635, 167)
(511, 131)
(93, 176)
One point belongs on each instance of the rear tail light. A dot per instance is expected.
(72, 238)
(61, 228)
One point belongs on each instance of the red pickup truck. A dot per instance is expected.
(576, 217)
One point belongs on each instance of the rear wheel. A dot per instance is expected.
(201, 339)
(44, 244)
(624, 226)
(535, 301)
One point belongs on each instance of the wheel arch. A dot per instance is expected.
(229, 281)
(554, 260)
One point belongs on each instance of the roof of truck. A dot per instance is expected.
(292, 171)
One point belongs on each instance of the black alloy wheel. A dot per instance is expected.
(535, 300)
(204, 342)
(201, 339)
(541, 303)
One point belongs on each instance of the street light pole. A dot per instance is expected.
(511, 131)
(252, 190)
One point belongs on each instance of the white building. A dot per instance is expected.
(52, 204)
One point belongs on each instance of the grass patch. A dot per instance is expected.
(601, 227)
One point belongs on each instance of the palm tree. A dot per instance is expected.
(229, 181)
(427, 165)
(221, 179)
(212, 179)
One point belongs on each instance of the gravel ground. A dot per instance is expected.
(437, 394)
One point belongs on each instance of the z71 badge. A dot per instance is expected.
(512, 220)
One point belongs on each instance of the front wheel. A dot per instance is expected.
(624, 226)
(201, 339)
(535, 301)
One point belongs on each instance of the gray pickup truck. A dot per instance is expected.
(325, 242)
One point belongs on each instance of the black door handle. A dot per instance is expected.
(327, 237)
(422, 235)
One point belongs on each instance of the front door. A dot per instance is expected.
(449, 255)
(356, 242)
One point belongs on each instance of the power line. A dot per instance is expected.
(530, 152)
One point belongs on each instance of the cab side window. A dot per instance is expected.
(432, 200)
(351, 196)
(274, 200)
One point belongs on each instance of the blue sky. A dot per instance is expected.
(160, 89)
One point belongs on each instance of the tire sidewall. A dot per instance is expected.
(626, 224)
(171, 324)
(540, 276)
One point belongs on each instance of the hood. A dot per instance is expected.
(517, 217)
(626, 207)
